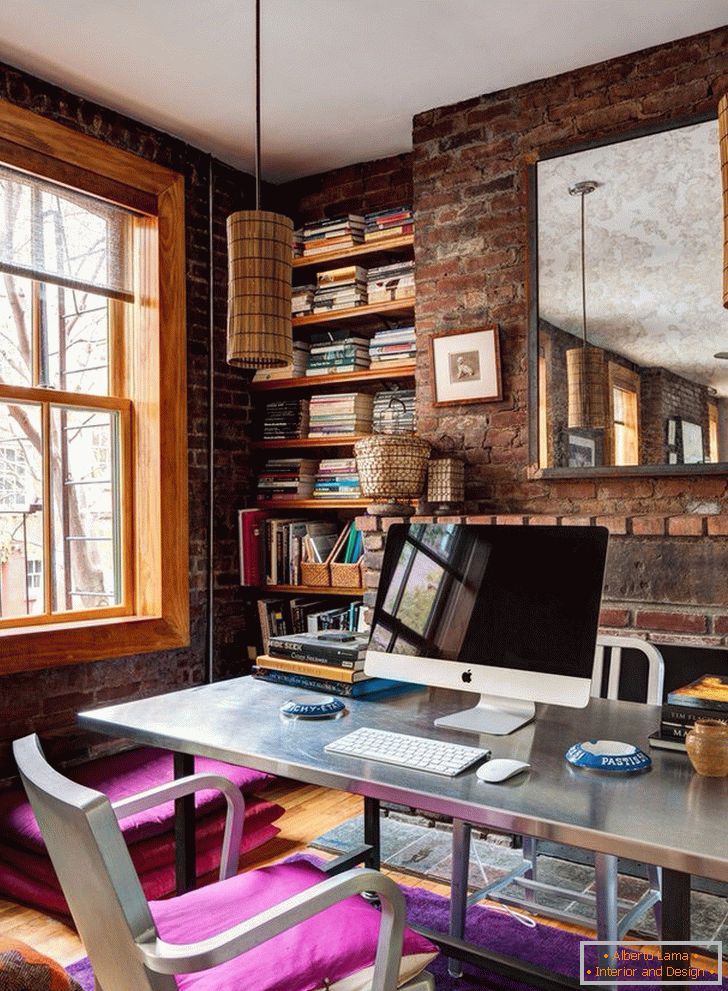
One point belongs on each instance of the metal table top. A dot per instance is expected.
(668, 816)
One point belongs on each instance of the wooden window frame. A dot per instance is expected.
(619, 377)
(153, 355)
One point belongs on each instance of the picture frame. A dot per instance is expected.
(685, 443)
(465, 366)
(584, 448)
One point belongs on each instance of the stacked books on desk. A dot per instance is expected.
(340, 414)
(295, 370)
(388, 282)
(286, 419)
(706, 698)
(335, 667)
(392, 348)
(337, 478)
(287, 478)
(394, 412)
(340, 289)
(338, 354)
(321, 236)
(382, 225)
(302, 300)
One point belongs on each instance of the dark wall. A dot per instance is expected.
(47, 701)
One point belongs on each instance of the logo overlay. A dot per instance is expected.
(657, 964)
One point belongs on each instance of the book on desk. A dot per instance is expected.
(704, 698)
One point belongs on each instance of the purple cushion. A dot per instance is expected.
(118, 777)
(329, 947)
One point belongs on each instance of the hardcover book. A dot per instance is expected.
(709, 692)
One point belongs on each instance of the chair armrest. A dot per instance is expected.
(234, 820)
(172, 958)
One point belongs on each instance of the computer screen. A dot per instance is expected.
(522, 598)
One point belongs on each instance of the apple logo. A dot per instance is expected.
(467, 677)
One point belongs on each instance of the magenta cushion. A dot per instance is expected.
(118, 777)
(326, 948)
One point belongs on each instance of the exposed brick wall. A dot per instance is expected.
(47, 701)
(666, 395)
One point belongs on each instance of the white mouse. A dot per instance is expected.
(495, 771)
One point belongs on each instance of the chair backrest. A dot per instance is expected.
(615, 646)
(95, 870)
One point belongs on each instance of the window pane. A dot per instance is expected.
(75, 332)
(21, 515)
(16, 333)
(85, 486)
(415, 609)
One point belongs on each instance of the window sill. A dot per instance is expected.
(53, 645)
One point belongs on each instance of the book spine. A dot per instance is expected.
(313, 656)
(301, 681)
(688, 714)
(309, 668)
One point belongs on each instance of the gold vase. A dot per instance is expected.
(707, 746)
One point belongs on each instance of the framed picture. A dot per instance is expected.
(466, 366)
(684, 442)
(584, 448)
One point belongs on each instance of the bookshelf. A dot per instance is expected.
(316, 590)
(361, 316)
(363, 253)
(368, 376)
(308, 443)
(312, 503)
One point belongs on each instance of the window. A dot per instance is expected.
(713, 434)
(92, 338)
(624, 409)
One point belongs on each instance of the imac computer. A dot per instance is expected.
(509, 612)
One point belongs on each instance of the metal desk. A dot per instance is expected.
(668, 816)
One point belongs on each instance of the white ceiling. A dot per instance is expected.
(341, 78)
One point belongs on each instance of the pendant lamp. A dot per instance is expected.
(585, 364)
(723, 137)
(260, 256)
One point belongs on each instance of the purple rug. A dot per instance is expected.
(545, 946)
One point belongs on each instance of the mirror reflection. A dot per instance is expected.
(632, 333)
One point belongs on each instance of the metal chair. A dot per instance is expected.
(118, 925)
(610, 925)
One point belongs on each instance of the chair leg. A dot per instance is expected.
(459, 887)
(530, 854)
(654, 876)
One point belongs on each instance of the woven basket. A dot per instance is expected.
(315, 573)
(345, 575)
(391, 466)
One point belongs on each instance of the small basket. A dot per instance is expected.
(346, 575)
(318, 573)
(392, 466)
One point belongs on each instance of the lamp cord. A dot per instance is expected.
(257, 104)
(584, 390)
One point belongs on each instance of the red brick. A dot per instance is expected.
(479, 519)
(648, 526)
(450, 519)
(387, 521)
(577, 520)
(685, 526)
(543, 520)
(677, 622)
(615, 524)
(718, 525)
(615, 617)
(367, 523)
(509, 519)
(576, 489)
(720, 624)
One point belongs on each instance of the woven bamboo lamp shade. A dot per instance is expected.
(585, 379)
(260, 256)
(723, 136)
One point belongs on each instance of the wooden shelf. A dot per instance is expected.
(398, 244)
(310, 590)
(334, 378)
(312, 503)
(363, 314)
(347, 440)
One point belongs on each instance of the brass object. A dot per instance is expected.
(707, 747)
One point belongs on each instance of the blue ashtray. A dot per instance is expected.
(313, 707)
(609, 756)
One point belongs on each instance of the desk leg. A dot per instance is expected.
(459, 887)
(372, 832)
(184, 828)
(675, 905)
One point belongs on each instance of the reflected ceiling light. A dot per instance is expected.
(585, 364)
(260, 256)
(723, 140)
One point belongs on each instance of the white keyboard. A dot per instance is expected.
(417, 752)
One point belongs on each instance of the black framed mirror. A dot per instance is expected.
(628, 345)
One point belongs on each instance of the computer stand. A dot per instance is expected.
(492, 714)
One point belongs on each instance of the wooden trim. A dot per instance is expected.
(397, 244)
(347, 441)
(498, 397)
(335, 378)
(312, 503)
(57, 397)
(310, 590)
(390, 308)
(152, 354)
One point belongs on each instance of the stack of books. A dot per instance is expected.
(337, 478)
(298, 242)
(302, 300)
(387, 282)
(706, 698)
(280, 617)
(394, 412)
(340, 289)
(333, 667)
(287, 478)
(284, 543)
(342, 354)
(325, 235)
(384, 224)
(393, 347)
(340, 413)
(295, 370)
(286, 419)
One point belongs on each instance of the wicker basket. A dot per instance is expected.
(391, 466)
(315, 573)
(346, 575)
